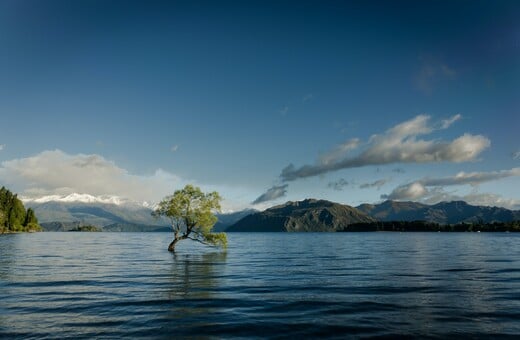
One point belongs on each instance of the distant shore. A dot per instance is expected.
(422, 226)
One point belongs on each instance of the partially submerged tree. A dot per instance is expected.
(191, 213)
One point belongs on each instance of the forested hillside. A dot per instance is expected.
(13, 216)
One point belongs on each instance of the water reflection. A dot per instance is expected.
(6, 262)
(7, 249)
(194, 280)
(195, 276)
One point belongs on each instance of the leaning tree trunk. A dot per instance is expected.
(171, 247)
(178, 238)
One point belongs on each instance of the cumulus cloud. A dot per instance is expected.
(411, 191)
(56, 172)
(376, 184)
(488, 199)
(430, 188)
(399, 144)
(272, 193)
(338, 185)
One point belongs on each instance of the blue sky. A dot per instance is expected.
(136, 99)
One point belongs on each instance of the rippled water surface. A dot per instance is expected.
(107, 285)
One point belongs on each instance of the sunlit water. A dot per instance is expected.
(112, 285)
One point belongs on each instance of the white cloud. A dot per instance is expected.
(473, 198)
(413, 127)
(272, 194)
(66, 175)
(399, 144)
(446, 123)
(431, 190)
(488, 199)
(411, 191)
(472, 178)
(85, 198)
(58, 173)
(339, 151)
(2, 146)
(174, 148)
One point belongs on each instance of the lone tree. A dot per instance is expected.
(190, 212)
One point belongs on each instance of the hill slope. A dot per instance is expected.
(225, 220)
(442, 213)
(308, 215)
(62, 216)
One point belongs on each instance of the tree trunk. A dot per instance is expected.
(171, 247)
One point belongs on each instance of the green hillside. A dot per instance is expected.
(13, 216)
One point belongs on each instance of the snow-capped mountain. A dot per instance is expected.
(111, 213)
(86, 198)
(108, 212)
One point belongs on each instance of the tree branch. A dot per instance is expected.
(200, 241)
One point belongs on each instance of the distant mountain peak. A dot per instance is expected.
(442, 212)
(309, 202)
(86, 198)
(307, 215)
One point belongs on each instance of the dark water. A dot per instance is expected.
(113, 285)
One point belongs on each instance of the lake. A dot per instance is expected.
(344, 285)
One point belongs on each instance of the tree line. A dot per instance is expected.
(513, 226)
(13, 216)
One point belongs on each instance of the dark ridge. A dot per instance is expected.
(308, 215)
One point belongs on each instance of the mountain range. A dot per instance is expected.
(114, 214)
(110, 213)
(442, 213)
(321, 215)
(59, 215)
(306, 215)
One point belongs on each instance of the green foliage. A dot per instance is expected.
(219, 239)
(30, 217)
(2, 222)
(191, 213)
(13, 217)
(87, 228)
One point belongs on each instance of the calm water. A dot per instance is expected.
(106, 285)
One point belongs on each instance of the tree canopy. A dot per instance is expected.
(191, 213)
(13, 216)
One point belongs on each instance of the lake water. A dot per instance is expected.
(113, 285)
